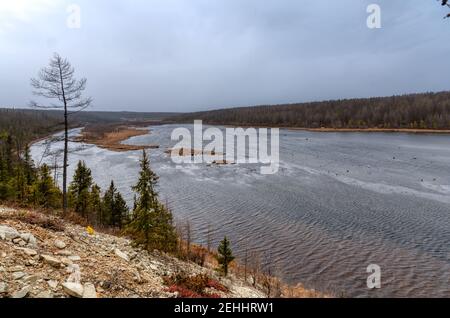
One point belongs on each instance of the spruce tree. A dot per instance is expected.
(95, 203)
(108, 204)
(225, 255)
(115, 210)
(151, 224)
(29, 169)
(80, 189)
(45, 194)
(120, 211)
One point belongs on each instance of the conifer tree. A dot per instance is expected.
(95, 203)
(5, 188)
(80, 189)
(152, 224)
(225, 255)
(29, 169)
(108, 204)
(45, 194)
(120, 211)
(115, 210)
(20, 182)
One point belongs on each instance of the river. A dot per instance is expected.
(340, 202)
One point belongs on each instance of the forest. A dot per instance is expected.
(413, 111)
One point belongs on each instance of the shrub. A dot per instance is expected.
(193, 286)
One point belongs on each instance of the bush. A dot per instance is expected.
(193, 286)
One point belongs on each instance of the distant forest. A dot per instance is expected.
(25, 125)
(413, 111)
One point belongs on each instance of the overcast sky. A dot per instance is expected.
(187, 55)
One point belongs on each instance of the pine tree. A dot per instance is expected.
(225, 255)
(80, 189)
(152, 224)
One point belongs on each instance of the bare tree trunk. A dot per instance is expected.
(188, 239)
(66, 140)
(66, 144)
(57, 82)
(209, 238)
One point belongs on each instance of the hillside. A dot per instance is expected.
(42, 256)
(413, 111)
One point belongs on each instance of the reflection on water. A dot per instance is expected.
(340, 202)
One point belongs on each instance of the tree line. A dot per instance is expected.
(413, 111)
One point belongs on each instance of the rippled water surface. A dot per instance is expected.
(340, 202)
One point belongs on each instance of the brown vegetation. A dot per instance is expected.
(111, 137)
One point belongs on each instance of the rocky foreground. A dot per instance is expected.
(43, 257)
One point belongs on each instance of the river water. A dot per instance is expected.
(340, 202)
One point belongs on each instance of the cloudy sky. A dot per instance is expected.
(187, 55)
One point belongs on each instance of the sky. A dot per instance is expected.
(191, 55)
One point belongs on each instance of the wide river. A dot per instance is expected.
(340, 202)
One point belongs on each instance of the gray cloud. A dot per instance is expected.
(175, 55)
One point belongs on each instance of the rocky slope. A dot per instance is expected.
(41, 256)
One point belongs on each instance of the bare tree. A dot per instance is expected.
(57, 82)
(209, 238)
(188, 239)
(254, 266)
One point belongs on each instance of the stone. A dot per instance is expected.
(30, 262)
(17, 268)
(74, 258)
(64, 253)
(18, 275)
(75, 273)
(60, 244)
(31, 279)
(89, 291)
(29, 251)
(45, 294)
(21, 293)
(121, 254)
(8, 233)
(17, 240)
(73, 289)
(3, 288)
(29, 238)
(66, 261)
(52, 283)
(51, 260)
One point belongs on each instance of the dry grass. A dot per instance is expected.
(35, 218)
(110, 137)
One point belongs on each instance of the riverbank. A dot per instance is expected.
(111, 137)
(345, 130)
(376, 130)
(43, 256)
